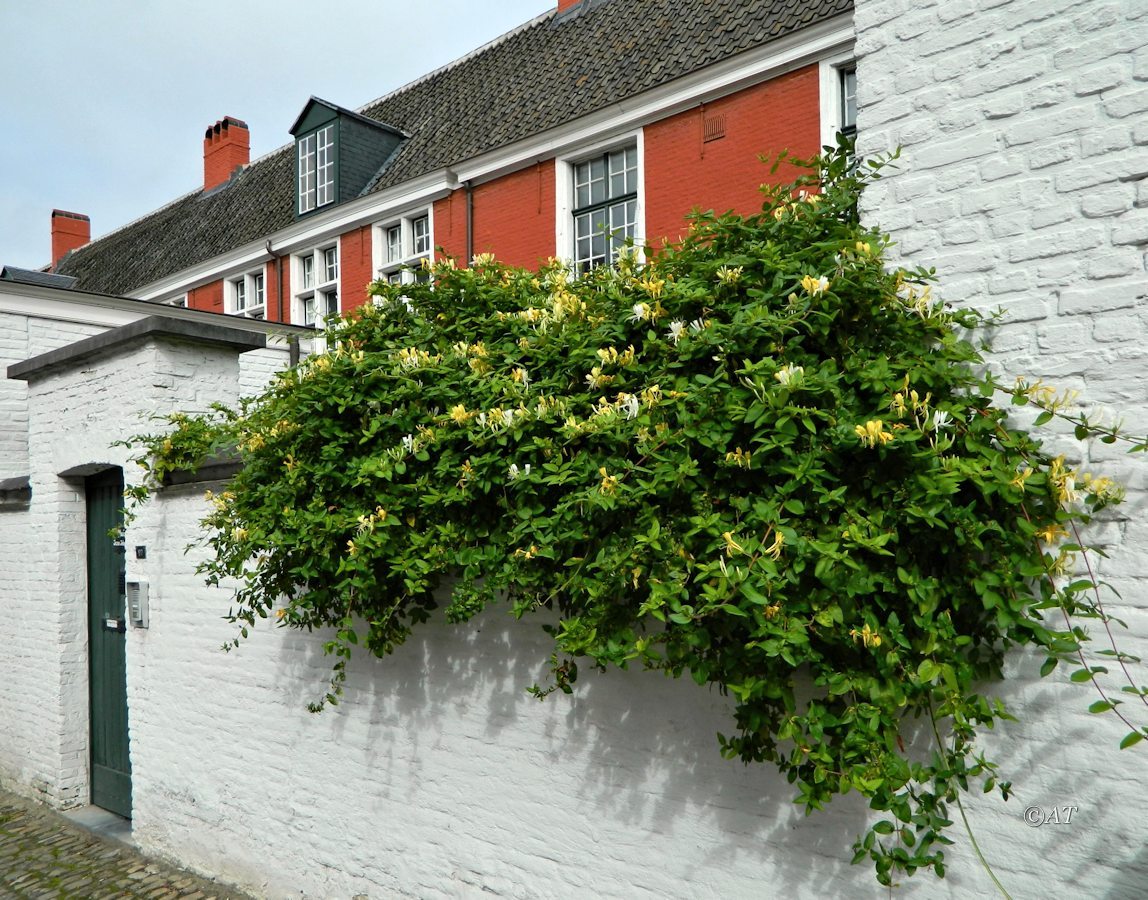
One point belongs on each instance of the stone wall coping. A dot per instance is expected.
(72, 355)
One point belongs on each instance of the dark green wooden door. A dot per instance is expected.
(107, 671)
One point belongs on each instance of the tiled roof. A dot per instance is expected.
(553, 70)
(35, 276)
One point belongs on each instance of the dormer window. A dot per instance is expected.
(316, 154)
(337, 154)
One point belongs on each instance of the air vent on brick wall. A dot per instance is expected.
(713, 128)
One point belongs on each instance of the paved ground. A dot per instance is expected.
(44, 855)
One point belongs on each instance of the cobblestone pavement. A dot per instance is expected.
(43, 855)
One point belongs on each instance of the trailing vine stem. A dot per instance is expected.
(964, 817)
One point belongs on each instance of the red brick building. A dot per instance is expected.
(597, 122)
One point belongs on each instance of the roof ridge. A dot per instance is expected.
(360, 111)
(518, 29)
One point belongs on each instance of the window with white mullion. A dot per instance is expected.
(307, 173)
(247, 295)
(605, 206)
(325, 154)
(849, 101)
(405, 244)
(318, 294)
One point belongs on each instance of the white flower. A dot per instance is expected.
(941, 419)
(677, 329)
(641, 312)
(698, 325)
(790, 375)
(513, 473)
(409, 443)
(508, 417)
(629, 406)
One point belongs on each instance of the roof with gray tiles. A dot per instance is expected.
(554, 69)
(35, 276)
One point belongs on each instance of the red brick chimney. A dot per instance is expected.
(69, 231)
(564, 5)
(226, 147)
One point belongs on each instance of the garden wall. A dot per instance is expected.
(1024, 180)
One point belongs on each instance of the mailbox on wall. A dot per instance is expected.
(137, 602)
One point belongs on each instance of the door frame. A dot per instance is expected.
(109, 779)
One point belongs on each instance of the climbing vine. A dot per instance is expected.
(762, 459)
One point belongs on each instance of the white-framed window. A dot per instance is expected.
(599, 194)
(403, 245)
(838, 87)
(605, 206)
(317, 285)
(247, 295)
(848, 100)
(316, 158)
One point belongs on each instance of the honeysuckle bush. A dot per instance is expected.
(763, 459)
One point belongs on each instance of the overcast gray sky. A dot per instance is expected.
(104, 102)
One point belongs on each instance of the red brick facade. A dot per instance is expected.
(208, 296)
(513, 218)
(706, 157)
(684, 170)
(356, 269)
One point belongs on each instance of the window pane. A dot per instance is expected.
(331, 264)
(307, 173)
(849, 98)
(240, 294)
(394, 243)
(325, 192)
(598, 180)
(308, 310)
(330, 303)
(259, 292)
(308, 272)
(581, 185)
(395, 277)
(422, 235)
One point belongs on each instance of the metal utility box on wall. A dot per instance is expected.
(137, 602)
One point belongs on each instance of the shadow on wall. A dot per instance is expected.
(629, 763)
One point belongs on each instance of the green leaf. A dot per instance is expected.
(1049, 664)
(1131, 739)
(1101, 706)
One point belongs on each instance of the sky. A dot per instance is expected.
(105, 102)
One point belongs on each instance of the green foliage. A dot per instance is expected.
(761, 460)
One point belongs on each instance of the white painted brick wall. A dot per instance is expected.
(1023, 180)
(438, 776)
(74, 419)
(21, 338)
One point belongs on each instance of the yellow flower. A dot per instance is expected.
(774, 549)
(867, 636)
(1051, 533)
(609, 483)
(280, 613)
(873, 433)
(729, 275)
(459, 414)
(732, 547)
(739, 457)
(815, 285)
(1020, 478)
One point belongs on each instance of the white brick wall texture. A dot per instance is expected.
(1022, 179)
(1023, 182)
